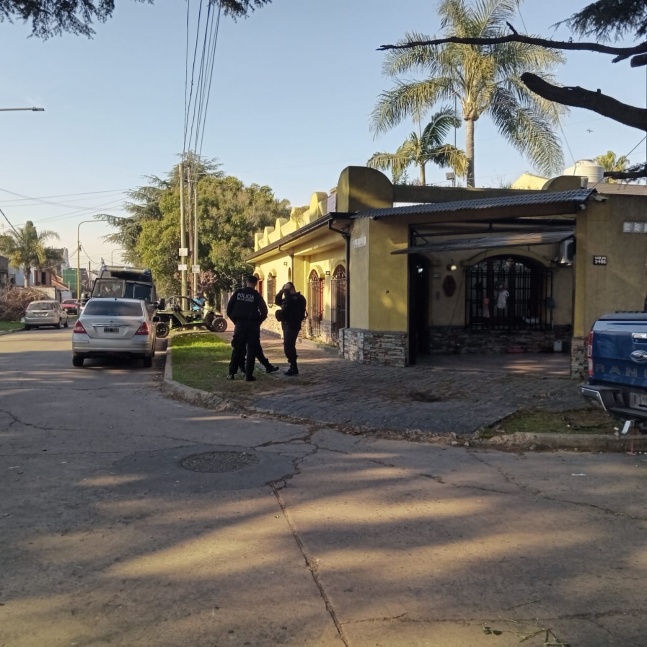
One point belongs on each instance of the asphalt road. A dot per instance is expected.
(323, 539)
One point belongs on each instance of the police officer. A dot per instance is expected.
(293, 306)
(248, 310)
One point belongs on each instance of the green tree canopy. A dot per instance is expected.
(26, 248)
(485, 80)
(56, 17)
(229, 213)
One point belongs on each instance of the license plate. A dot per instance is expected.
(111, 330)
(638, 400)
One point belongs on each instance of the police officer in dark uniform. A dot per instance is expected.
(248, 310)
(293, 307)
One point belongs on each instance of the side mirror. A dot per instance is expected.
(161, 304)
(156, 319)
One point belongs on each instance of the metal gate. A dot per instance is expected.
(315, 304)
(509, 293)
(338, 288)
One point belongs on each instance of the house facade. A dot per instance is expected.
(393, 272)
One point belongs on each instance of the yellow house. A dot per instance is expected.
(394, 272)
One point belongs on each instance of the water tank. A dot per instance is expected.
(586, 168)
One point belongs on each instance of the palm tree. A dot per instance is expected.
(426, 147)
(485, 79)
(609, 162)
(25, 248)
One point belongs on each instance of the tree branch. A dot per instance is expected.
(628, 175)
(621, 53)
(577, 97)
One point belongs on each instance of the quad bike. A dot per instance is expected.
(186, 313)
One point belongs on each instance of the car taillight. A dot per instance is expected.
(78, 328)
(589, 353)
(143, 329)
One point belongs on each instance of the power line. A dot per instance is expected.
(61, 195)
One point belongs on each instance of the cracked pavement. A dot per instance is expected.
(330, 539)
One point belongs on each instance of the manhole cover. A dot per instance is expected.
(219, 461)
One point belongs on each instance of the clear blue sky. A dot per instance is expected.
(293, 88)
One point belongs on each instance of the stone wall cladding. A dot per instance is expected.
(373, 347)
(445, 340)
(579, 364)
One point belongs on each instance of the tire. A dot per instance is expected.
(66, 324)
(59, 325)
(147, 361)
(163, 329)
(220, 325)
(27, 327)
(209, 319)
(77, 360)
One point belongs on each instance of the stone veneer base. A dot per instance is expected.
(373, 347)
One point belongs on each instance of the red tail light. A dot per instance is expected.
(589, 353)
(78, 328)
(143, 329)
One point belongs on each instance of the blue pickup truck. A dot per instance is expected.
(617, 366)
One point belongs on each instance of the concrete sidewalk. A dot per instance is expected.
(446, 398)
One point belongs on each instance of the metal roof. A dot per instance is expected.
(572, 198)
(508, 239)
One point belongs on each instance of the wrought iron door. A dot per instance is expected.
(338, 287)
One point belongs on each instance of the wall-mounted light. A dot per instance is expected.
(328, 273)
(452, 267)
(285, 263)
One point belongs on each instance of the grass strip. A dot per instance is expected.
(577, 421)
(8, 326)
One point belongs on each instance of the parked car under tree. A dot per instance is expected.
(114, 327)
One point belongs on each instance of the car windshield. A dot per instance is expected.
(40, 305)
(113, 309)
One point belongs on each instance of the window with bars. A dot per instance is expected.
(271, 289)
(509, 293)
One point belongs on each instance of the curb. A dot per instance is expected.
(585, 442)
(189, 394)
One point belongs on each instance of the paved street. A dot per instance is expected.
(321, 539)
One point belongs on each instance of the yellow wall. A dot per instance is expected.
(622, 283)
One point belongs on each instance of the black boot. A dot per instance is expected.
(293, 370)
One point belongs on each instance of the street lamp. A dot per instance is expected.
(78, 259)
(31, 109)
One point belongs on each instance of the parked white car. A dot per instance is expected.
(45, 313)
(114, 327)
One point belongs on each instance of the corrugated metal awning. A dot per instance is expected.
(570, 201)
(508, 239)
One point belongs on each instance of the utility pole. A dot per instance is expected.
(195, 240)
(183, 259)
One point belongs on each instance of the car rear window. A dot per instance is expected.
(113, 309)
(40, 305)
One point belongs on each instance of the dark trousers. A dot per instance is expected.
(246, 344)
(290, 334)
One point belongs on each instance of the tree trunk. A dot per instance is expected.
(469, 150)
(27, 271)
(423, 175)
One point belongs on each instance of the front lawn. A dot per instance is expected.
(201, 361)
(578, 421)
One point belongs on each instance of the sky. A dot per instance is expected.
(292, 92)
